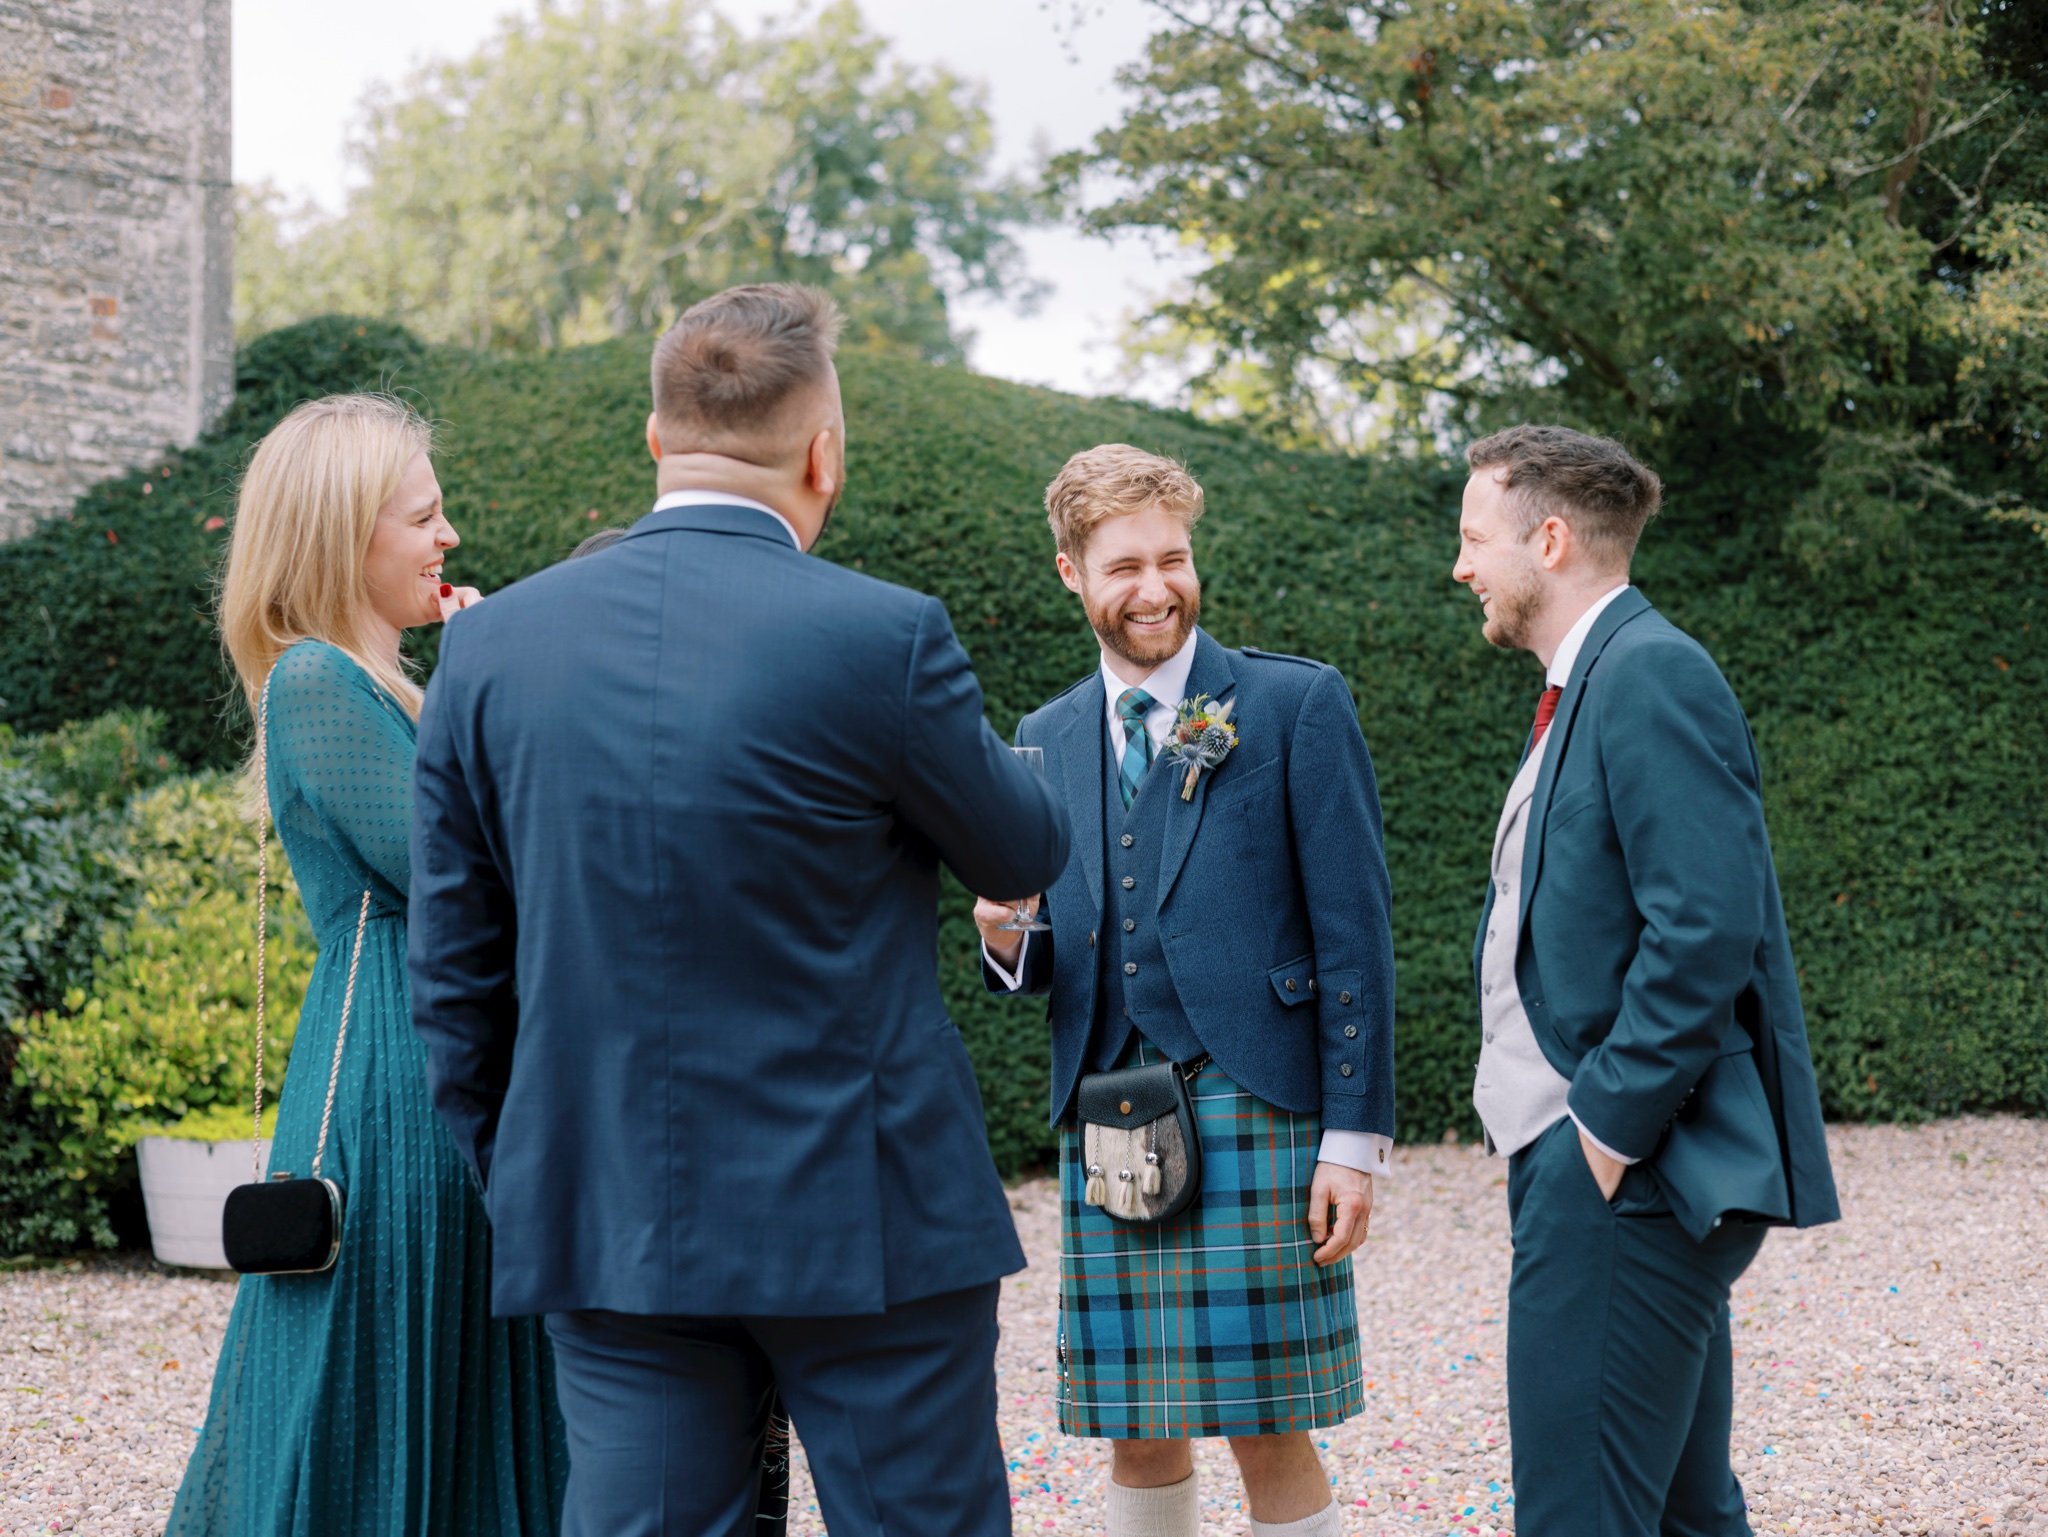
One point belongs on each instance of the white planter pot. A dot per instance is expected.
(184, 1186)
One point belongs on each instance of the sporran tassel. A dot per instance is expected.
(1097, 1193)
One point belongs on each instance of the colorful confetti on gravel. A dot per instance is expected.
(1891, 1371)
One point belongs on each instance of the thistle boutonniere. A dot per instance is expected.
(1202, 738)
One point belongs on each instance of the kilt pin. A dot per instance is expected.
(1242, 919)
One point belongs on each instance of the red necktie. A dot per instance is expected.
(1545, 708)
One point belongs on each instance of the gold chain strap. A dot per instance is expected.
(262, 955)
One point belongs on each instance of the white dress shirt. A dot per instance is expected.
(1167, 685)
(725, 499)
(1535, 1096)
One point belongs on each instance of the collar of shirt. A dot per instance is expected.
(725, 499)
(1575, 639)
(1166, 683)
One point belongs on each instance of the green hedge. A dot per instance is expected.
(1898, 706)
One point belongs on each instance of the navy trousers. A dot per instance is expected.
(1620, 1376)
(896, 1411)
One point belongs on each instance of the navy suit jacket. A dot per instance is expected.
(1273, 896)
(681, 807)
(1653, 958)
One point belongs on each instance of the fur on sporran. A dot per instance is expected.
(1135, 1172)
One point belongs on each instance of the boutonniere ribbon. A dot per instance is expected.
(1202, 738)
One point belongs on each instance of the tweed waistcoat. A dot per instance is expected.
(1135, 990)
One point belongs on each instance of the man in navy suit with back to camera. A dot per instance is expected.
(681, 809)
(1230, 918)
(1643, 1061)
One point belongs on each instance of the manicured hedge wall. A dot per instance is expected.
(1899, 708)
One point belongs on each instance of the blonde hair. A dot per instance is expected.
(1109, 481)
(303, 520)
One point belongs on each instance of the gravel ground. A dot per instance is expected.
(1891, 1370)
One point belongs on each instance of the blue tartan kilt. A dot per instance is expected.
(1217, 1323)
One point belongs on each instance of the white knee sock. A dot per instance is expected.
(1173, 1510)
(1323, 1523)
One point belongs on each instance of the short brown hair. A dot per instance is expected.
(729, 372)
(1594, 484)
(1110, 480)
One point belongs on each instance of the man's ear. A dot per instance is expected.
(820, 473)
(1556, 543)
(654, 436)
(1068, 573)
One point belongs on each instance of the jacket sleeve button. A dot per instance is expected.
(1343, 997)
(1345, 1069)
(1289, 984)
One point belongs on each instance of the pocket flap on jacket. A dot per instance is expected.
(1295, 982)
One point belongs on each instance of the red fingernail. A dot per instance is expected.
(447, 591)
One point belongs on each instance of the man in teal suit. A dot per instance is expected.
(1644, 1064)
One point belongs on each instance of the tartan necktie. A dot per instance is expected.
(1131, 706)
(1546, 707)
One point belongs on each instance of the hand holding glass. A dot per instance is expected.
(1022, 921)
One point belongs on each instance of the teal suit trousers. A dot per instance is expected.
(1620, 1373)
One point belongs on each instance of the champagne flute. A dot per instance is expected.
(1021, 920)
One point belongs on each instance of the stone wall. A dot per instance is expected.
(116, 237)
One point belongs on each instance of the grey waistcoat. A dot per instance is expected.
(1519, 1095)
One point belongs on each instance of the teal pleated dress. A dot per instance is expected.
(379, 1398)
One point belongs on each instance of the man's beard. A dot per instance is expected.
(1513, 613)
(1148, 651)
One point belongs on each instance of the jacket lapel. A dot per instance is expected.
(1081, 776)
(1210, 675)
(1618, 613)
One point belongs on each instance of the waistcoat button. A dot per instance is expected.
(1130, 968)
(1130, 925)
(1350, 1032)
(1127, 840)
(1130, 883)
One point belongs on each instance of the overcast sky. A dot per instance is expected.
(300, 72)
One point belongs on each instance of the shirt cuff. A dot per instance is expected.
(1366, 1151)
(1009, 980)
(1610, 1152)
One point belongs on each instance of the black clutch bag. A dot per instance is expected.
(285, 1225)
(1138, 1142)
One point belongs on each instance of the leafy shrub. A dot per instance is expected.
(63, 878)
(1898, 706)
(62, 875)
(218, 1123)
(96, 765)
(164, 1028)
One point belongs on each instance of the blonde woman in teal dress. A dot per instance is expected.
(380, 1397)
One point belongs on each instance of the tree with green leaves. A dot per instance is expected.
(596, 167)
(1825, 220)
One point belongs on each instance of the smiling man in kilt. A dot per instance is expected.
(1225, 910)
